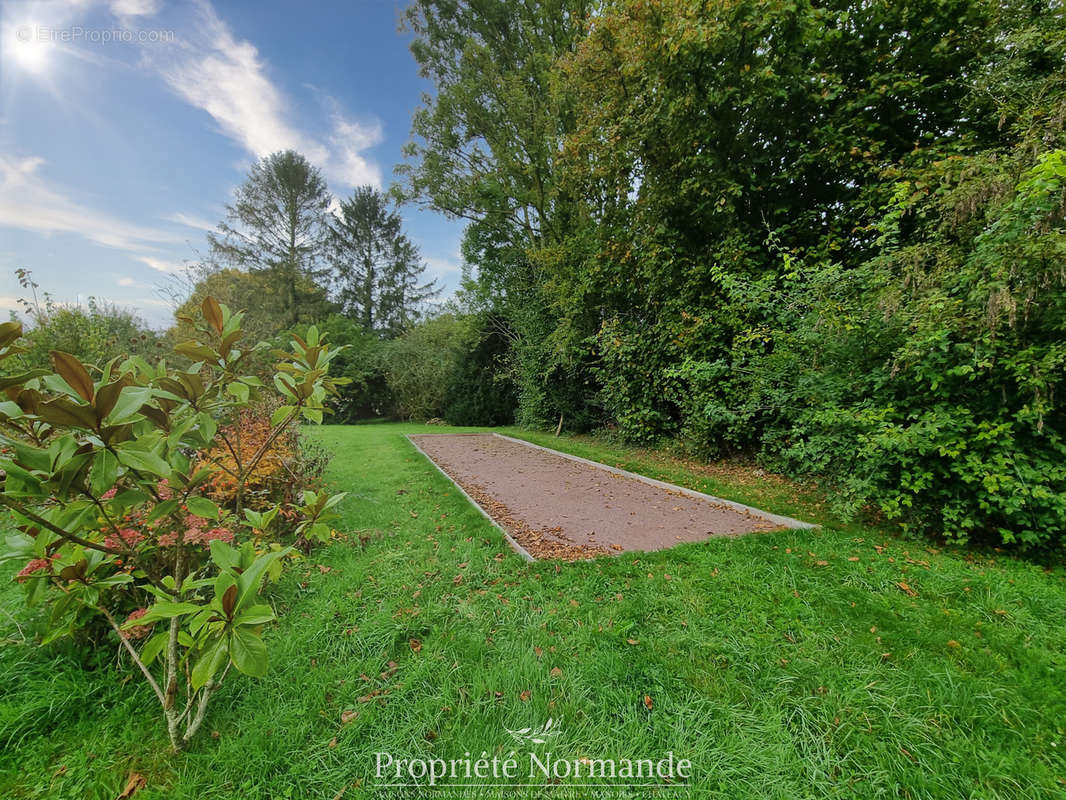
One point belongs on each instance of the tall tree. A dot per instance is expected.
(277, 224)
(486, 148)
(376, 268)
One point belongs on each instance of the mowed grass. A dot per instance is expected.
(834, 663)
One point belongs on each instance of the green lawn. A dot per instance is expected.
(784, 665)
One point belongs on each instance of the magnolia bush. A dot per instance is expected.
(106, 474)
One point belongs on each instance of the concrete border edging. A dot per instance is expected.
(788, 522)
(510, 540)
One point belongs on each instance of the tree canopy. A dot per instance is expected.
(828, 235)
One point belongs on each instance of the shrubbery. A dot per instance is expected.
(113, 475)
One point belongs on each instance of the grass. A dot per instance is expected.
(783, 665)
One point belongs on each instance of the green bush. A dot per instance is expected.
(110, 505)
(480, 388)
(419, 365)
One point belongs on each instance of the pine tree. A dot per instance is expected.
(377, 270)
(277, 224)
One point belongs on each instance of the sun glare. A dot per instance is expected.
(25, 49)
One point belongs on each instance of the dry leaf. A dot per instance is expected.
(556, 672)
(648, 703)
(906, 588)
(416, 645)
(633, 641)
(134, 783)
(332, 743)
(348, 716)
(525, 696)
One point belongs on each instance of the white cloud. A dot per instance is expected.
(134, 8)
(441, 268)
(168, 267)
(191, 221)
(225, 76)
(132, 283)
(346, 163)
(227, 79)
(28, 202)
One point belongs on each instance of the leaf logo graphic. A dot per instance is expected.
(535, 735)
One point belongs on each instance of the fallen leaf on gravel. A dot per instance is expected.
(134, 783)
(348, 716)
(556, 672)
(416, 645)
(648, 702)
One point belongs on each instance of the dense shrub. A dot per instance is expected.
(480, 389)
(95, 333)
(363, 364)
(111, 507)
(288, 465)
(419, 365)
(841, 250)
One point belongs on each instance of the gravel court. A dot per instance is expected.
(557, 506)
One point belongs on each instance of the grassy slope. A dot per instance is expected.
(777, 676)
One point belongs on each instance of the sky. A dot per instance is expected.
(125, 126)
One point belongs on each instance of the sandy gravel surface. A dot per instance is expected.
(559, 508)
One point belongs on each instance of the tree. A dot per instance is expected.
(376, 268)
(277, 224)
(486, 148)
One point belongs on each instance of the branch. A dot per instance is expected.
(133, 654)
(70, 537)
(201, 710)
(269, 441)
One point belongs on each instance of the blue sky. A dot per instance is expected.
(126, 124)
